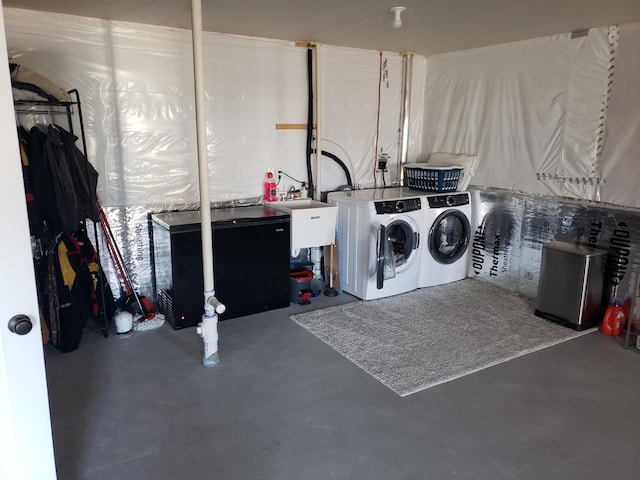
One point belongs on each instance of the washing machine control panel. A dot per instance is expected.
(398, 206)
(448, 200)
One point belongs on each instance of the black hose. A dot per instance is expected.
(339, 162)
(310, 121)
(310, 132)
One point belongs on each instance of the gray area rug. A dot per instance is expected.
(419, 339)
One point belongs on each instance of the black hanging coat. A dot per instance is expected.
(74, 179)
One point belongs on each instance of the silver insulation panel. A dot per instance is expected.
(510, 230)
(132, 229)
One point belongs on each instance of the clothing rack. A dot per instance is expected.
(46, 107)
(70, 110)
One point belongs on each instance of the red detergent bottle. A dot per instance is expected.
(614, 320)
(269, 188)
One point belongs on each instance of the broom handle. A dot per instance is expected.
(125, 275)
(112, 251)
(115, 261)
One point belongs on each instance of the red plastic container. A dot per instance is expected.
(614, 320)
(300, 285)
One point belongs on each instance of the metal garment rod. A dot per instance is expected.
(40, 108)
(407, 71)
(208, 329)
(51, 108)
(41, 112)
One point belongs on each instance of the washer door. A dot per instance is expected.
(449, 236)
(394, 246)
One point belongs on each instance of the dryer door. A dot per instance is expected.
(394, 247)
(449, 236)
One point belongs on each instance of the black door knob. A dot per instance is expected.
(20, 324)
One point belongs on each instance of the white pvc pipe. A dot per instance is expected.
(407, 72)
(208, 329)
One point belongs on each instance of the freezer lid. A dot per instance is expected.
(189, 220)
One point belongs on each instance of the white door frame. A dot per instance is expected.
(26, 445)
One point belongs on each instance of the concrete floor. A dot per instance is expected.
(282, 405)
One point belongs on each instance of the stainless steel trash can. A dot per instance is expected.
(571, 284)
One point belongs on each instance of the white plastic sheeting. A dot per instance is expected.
(350, 81)
(620, 158)
(530, 110)
(136, 87)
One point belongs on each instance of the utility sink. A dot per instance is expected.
(313, 223)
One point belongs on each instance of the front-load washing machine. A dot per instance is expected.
(446, 236)
(378, 235)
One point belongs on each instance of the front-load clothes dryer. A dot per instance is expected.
(379, 242)
(446, 238)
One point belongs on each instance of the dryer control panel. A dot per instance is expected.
(451, 200)
(403, 205)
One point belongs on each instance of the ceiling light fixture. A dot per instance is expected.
(397, 21)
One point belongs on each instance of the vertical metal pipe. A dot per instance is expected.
(209, 326)
(407, 71)
(310, 117)
(318, 121)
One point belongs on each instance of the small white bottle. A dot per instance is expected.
(316, 258)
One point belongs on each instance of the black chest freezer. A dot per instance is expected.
(251, 251)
